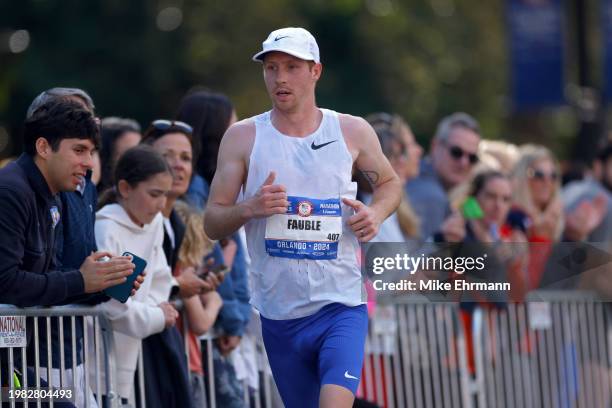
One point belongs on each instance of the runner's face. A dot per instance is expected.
(289, 80)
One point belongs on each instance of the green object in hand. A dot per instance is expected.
(471, 209)
(16, 381)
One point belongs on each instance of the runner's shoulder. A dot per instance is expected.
(241, 129)
(240, 135)
(354, 128)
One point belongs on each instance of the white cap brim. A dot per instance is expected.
(260, 55)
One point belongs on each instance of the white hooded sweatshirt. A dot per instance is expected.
(140, 316)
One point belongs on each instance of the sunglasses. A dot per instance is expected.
(457, 153)
(542, 175)
(163, 125)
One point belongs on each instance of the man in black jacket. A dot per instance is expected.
(58, 142)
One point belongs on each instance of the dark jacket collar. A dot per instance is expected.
(35, 177)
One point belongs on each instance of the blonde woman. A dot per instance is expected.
(537, 206)
(200, 311)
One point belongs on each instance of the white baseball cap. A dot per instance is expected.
(294, 41)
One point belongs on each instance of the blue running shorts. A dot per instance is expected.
(324, 348)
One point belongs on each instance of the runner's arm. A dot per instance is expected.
(375, 167)
(223, 215)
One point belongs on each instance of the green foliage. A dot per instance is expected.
(420, 58)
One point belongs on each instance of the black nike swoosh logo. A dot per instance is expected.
(313, 146)
(280, 38)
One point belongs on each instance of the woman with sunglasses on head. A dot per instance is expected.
(537, 209)
(172, 139)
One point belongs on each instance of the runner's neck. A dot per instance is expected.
(297, 124)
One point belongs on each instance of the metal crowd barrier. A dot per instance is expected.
(413, 356)
(263, 396)
(66, 318)
(552, 351)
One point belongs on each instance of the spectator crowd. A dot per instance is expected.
(87, 190)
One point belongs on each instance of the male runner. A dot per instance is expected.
(294, 164)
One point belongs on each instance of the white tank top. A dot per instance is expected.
(307, 258)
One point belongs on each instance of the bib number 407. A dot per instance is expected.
(333, 237)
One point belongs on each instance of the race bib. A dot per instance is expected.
(310, 229)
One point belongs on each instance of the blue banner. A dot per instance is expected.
(606, 19)
(536, 53)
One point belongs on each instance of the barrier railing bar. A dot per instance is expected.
(396, 361)
(405, 352)
(477, 339)
(526, 357)
(415, 357)
(515, 355)
(74, 350)
(602, 336)
(62, 368)
(489, 368)
(426, 368)
(37, 358)
(598, 393)
(498, 353)
(433, 354)
(97, 347)
(141, 379)
(466, 394)
(542, 361)
(211, 373)
(581, 358)
(450, 325)
(85, 362)
(11, 370)
(443, 354)
(24, 370)
(388, 377)
(553, 373)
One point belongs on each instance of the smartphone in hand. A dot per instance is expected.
(122, 291)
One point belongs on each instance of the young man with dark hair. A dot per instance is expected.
(59, 139)
(74, 242)
(58, 142)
